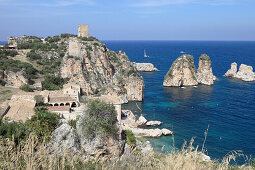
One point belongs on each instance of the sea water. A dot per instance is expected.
(227, 107)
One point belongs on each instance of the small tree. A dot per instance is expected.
(39, 100)
(99, 119)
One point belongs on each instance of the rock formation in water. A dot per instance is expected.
(204, 71)
(244, 73)
(145, 67)
(182, 72)
(101, 71)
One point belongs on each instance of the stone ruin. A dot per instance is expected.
(83, 31)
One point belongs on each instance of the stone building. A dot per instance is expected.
(83, 30)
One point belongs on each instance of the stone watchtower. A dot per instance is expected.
(83, 31)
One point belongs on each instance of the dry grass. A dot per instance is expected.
(34, 155)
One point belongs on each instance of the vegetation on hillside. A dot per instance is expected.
(52, 82)
(8, 64)
(42, 124)
(100, 119)
(26, 88)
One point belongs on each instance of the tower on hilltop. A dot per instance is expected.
(83, 30)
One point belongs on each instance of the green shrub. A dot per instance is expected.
(33, 56)
(43, 123)
(99, 119)
(26, 88)
(88, 38)
(53, 83)
(2, 82)
(66, 35)
(6, 53)
(39, 100)
(15, 131)
(16, 65)
(72, 123)
(131, 139)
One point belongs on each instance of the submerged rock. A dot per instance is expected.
(244, 73)
(145, 67)
(204, 71)
(182, 72)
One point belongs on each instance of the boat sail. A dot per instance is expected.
(145, 54)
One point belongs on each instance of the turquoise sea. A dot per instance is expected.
(228, 107)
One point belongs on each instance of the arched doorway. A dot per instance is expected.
(62, 104)
(51, 104)
(67, 104)
(74, 104)
(56, 104)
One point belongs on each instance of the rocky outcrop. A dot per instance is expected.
(99, 70)
(145, 67)
(14, 79)
(67, 139)
(153, 123)
(232, 71)
(204, 71)
(182, 72)
(153, 133)
(244, 73)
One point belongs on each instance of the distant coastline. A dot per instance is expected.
(3, 42)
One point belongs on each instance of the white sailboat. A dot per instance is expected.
(145, 54)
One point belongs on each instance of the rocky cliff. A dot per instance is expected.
(101, 71)
(182, 72)
(14, 79)
(204, 71)
(244, 73)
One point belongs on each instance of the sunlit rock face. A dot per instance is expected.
(244, 73)
(182, 72)
(204, 71)
(99, 70)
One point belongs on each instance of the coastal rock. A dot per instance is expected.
(154, 133)
(153, 123)
(204, 71)
(15, 79)
(182, 72)
(100, 144)
(145, 147)
(166, 132)
(65, 139)
(99, 71)
(145, 67)
(244, 73)
(141, 121)
(232, 71)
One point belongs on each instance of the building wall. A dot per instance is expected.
(83, 31)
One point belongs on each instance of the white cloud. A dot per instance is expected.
(156, 3)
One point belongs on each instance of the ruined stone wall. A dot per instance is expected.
(83, 31)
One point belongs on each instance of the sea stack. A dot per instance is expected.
(182, 72)
(244, 73)
(204, 71)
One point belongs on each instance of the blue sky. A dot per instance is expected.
(131, 19)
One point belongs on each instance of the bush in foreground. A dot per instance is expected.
(99, 119)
